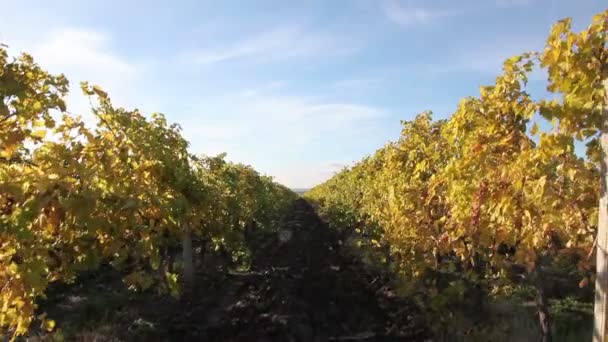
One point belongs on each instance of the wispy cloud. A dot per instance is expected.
(338, 166)
(217, 131)
(407, 15)
(358, 83)
(513, 3)
(265, 126)
(281, 43)
(265, 88)
(297, 117)
(307, 113)
(485, 57)
(307, 175)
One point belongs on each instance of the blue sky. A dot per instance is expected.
(295, 88)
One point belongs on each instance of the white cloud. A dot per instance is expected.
(83, 50)
(86, 55)
(278, 44)
(407, 16)
(276, 131)
(306, 176)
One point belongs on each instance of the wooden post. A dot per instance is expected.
(544, 319)
(187, 257)
(601, 282)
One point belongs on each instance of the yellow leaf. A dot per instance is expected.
(40, 134)
(100, 92)
(48, 325)
(534, 129)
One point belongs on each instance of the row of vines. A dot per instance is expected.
(124, 193)
(486, 195)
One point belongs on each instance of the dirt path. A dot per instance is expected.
(303, 290)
